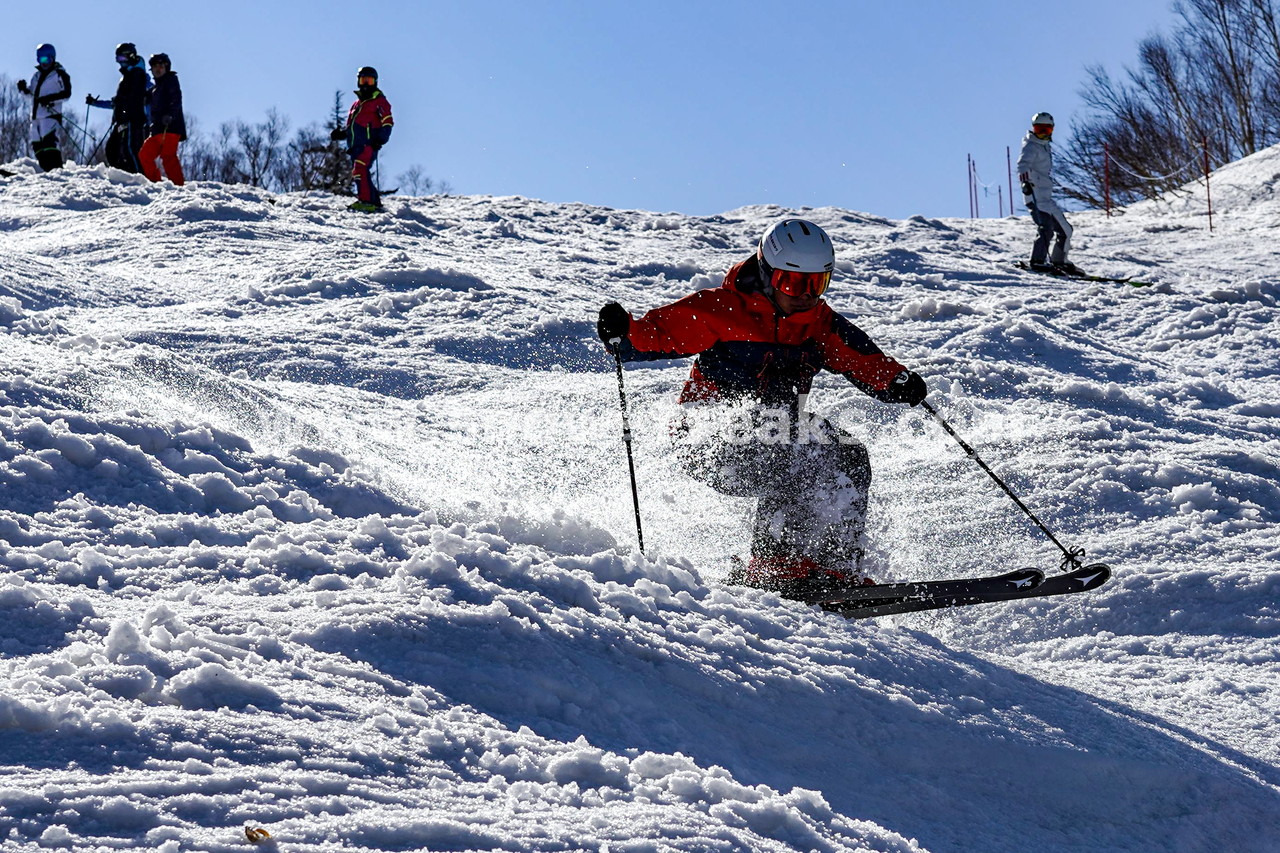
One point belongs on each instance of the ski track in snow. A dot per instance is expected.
(319, 522)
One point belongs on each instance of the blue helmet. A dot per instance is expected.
(45, 54)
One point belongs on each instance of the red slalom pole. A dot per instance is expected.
(968, 178)
(973, 185)
(1106, 176)
(1207, 195)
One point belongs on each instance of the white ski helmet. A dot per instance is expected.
(799, 245)
(1042, 118)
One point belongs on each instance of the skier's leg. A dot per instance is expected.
(742, 467)
(1062, 245)
(136, 132)
(111, 151)
(841, 486)
(360, 163)
(48, 155)
(812, 510)
(147, 158)
(1044, 231)
(169, 158)
(830, 480)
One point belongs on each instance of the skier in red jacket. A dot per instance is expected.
(368, 128)
(760, 338)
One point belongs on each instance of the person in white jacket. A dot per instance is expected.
(1035, 171)
(48, 87)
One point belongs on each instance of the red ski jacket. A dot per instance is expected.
(745, 347)
(369, 121)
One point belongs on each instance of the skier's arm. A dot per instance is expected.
(344, 132)
(62, 94)
(1024, 164)
(1033, 170)
(381, 134)
(848, 350)
(677, 330)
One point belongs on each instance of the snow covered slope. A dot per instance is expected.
(319, 522)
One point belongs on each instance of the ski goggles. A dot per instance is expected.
(1042, 129)
(794, 283)
(124, 60)
(366, 81)
(44, 60)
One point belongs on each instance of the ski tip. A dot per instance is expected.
(1092, 576)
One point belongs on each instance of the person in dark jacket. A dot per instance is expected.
(367, 129)
(167, 127)
(50, 86)
(128, 110)
(760, 338)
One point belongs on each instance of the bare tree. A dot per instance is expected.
(261, 145)
(1210, 88)
(414, 181)
(15, 119)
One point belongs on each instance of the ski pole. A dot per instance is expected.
(96, 148)
(71, 137)
(1071, 558)
(616, 345)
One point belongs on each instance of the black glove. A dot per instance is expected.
(614, 323)
(22, 87)
(1027, 188)
(89, 99)
(907, 387)
(337, 133)
(377, 146)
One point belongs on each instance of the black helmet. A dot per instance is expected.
(368, 71)
(160, 59)
(126, 51)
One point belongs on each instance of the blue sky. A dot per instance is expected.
(698, 106)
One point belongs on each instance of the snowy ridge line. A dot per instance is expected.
(328, 534)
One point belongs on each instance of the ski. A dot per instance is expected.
(1086, 277)
(863, 596)
(886, 599)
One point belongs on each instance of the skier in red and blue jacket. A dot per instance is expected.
(368, 128)
(760, 338)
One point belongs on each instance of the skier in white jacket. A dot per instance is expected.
(1035, 171)
(49, 85)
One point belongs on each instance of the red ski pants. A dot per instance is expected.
(361, 163)
(164, 146)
